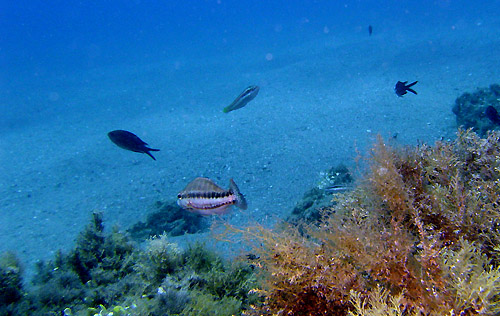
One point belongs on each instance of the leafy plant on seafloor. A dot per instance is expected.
(418, 236)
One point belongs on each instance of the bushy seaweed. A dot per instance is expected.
(419, 233)
(107, 273)
(11, 287)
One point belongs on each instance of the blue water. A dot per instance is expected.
(72, 71)
(64, 36)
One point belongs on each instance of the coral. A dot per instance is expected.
(171, 219)
(422, 221)
(470, 109)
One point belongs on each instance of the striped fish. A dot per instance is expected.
(202, 196)
(246, 96)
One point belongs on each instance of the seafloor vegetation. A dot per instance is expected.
(107, 274)
(418, 235)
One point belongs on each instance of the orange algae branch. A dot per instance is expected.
(297, 277)
(420, 231)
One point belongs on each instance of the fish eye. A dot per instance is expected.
(179, 196)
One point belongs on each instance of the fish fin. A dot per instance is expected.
(152, 149)
(411, 84)
(201, 185)
(149, 154)
(411, 90)
(240, 199)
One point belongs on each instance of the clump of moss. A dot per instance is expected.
(420, 231)
(171, 219)
(470, 109)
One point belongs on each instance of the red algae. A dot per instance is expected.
(419, 235)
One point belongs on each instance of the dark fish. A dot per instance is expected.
(130, 141)
(202, 196)
(246, 96)
(370, 30)
(493, 115)
(401, 88)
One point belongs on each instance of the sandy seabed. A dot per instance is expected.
(319, 103)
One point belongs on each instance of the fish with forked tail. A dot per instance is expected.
(402, 88)
(202, 196)
(130, 141)
(246, 96)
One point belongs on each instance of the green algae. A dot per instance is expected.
(108, 272)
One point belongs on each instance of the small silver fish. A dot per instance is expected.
(202, 196)
(336, 188)
(246, 96)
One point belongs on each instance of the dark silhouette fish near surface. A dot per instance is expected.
(130, 141)
(202, 196)
(246, 96)
(402, 88)
(492, 114)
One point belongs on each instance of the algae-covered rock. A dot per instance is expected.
(308, 209)
(171, 219)
(470, 109)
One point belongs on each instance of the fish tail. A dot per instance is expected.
(228, 108)
(411, 90)
(149, 154)
(412, 84)
(240, 199)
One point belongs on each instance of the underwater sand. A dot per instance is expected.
(320, 102)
